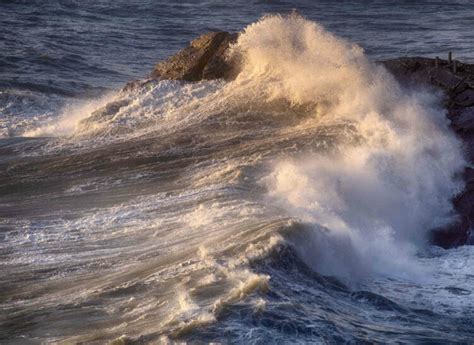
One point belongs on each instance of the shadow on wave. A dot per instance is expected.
(302, 304)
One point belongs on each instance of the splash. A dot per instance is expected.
(370, 203)
(71, 115)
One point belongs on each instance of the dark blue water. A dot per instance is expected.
(77, 47)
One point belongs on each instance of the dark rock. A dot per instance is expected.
(467, 143)
(465, 98)
(459, 232)
(453, 235)
(138, 84)
(204, 58)
(219, 65)
(462, 119)
(423, 70)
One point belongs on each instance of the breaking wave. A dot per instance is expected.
(175, 204)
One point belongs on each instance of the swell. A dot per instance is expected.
(304, 305)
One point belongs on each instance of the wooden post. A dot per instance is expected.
(454, 66)
(450, 57)
(436, 62)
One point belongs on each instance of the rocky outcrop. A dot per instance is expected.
(206, 58)
(456, 79)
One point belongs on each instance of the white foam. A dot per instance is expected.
(70, 116)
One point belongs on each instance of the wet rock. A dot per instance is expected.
(219, 65)
(460, 232)
(462, 119)
(453, 235)
(204, 58)
(138, 84)
(465, 98)
(420, 70)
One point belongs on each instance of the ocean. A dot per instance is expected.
(292, 205)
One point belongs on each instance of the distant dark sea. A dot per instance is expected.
(76, 47)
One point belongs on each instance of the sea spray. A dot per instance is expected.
(71, 114)
(378, 196)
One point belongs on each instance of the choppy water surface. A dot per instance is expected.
(290, 205)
